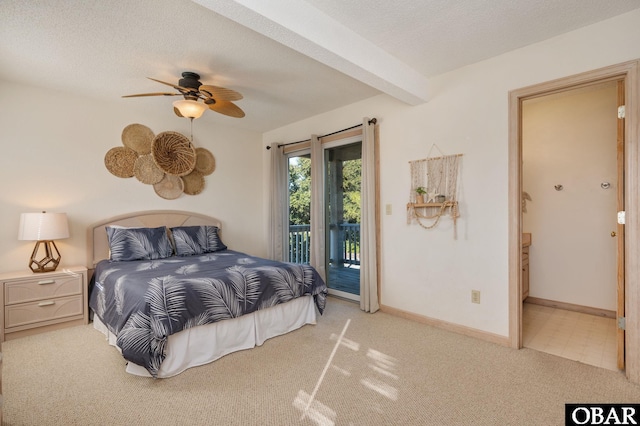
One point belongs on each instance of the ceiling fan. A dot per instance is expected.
(218, 99)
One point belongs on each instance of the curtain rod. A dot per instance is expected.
(372, 121)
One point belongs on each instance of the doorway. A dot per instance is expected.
(569, 168)
(342, 183)
(343, 179)
(628, 73)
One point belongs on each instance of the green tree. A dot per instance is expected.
(300, 190)
(351, 185)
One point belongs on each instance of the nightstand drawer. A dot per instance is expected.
(43, 310)
(42, 288)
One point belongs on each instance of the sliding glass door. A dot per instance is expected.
(342, 161)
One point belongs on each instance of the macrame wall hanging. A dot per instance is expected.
(167, 161)
(434, 189)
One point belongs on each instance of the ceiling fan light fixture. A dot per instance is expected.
(190, 108)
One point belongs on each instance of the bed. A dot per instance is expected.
(170, 295)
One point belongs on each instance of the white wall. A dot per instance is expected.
(569, 139)
(53, 148)
(428, 272)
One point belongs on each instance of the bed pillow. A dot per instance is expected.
(193, 240)
(138, 243)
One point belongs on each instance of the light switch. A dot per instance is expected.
(388, 209)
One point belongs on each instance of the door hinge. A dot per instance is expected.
(622, 323)
(621, 111)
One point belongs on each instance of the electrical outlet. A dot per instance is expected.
(475, 296)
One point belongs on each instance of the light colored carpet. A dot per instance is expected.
(386, 371)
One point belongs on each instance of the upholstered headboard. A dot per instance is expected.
(98, 244)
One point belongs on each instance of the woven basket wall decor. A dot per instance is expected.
(120, 161)
(167, 161)
(170, 187)
(193, 183)
(138, 137)
(146, 171)
(173, 153)
(205, 161)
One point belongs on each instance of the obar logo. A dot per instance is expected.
(601, 414)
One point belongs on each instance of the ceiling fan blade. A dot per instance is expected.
(153, 94)
(227, 108)
(175, 86)
(219, 93)
(177, 111)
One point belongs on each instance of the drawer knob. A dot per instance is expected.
(43, 282)
(47, 303)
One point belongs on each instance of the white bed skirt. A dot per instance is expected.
(206, 343)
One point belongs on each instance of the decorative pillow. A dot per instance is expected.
(191, 240)
(138, 243)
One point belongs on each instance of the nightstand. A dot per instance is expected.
(37, 302)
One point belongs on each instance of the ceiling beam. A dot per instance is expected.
(304, 28)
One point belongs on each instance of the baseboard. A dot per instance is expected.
(444, 325)
(571, 307)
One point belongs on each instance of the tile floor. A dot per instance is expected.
(582, 337)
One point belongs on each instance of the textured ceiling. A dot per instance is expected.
(435, 36)
(105, 49)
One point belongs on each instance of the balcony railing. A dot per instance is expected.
(349, 242)
(345, 247)
(299, 243)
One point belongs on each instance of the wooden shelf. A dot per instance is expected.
(445, 204)
(432, 212)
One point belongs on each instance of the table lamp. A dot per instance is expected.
(44, 228)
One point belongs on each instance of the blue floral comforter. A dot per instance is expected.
(143, 302)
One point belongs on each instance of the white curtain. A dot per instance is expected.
(278, 202)
(317, 208)
(368, 234)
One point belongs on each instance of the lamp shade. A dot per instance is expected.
(43, 226)
(189, 108)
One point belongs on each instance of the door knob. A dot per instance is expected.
(613, 233)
